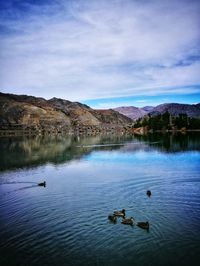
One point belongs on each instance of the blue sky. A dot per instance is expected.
(141, 101)
(102, 53)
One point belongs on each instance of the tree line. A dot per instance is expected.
(166, 121)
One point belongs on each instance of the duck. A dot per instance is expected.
(129, 221)
(43, 184)
(143, 225)
(120, 213)
(112, 218)
(149, 193)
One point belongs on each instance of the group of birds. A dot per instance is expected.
(128, 220)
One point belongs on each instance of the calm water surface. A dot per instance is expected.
(87, 178)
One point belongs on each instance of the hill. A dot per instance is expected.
(33, 114)
(191, 110)
(131, 111)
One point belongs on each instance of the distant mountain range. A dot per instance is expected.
(192, 110)
(134, 112)
(33, 114)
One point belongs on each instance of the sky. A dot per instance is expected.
(104, 53)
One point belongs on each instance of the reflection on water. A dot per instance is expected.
(173, 142)
(65, 223)
(59, 149)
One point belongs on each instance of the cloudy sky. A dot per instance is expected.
(104, 53)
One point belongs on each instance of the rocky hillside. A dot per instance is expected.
(131, 112)
(192, 110)
(37, 114)
(147, 109)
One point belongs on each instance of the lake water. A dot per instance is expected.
(65, 223)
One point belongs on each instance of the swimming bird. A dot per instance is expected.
(120, 213)
(148, 193)
(143, 225)
(43, 184)
(128, 221)
(112, 218)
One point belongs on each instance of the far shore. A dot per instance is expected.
(130, 131)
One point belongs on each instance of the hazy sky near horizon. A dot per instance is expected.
(105, 53)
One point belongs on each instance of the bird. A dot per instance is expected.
(43, 184)
(148, 193)
(112, 218)
(143, 225)
(120, 213)
(128, 221)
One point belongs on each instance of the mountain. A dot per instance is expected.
(147, 109)
(192, 110)
(33, 114)
(56, 115)
(131, 112)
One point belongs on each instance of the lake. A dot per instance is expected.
(87, 178)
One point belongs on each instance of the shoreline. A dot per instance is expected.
(121, 131)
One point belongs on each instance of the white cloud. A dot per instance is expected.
(99, 49)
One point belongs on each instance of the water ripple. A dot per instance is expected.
(66, 223)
